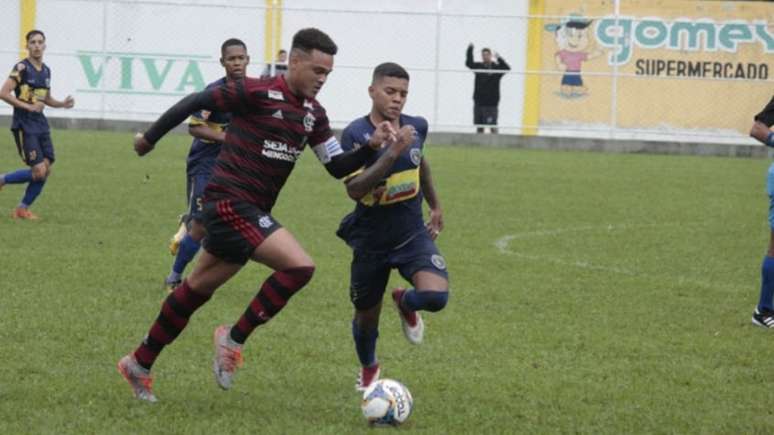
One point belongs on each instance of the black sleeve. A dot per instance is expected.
(346, 163)
(179, 112)
(767, 114)
(469, 58)
(501, 64)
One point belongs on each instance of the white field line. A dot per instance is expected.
(503, 246)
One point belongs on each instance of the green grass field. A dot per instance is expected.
(591, 293)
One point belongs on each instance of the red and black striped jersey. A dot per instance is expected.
(270, 127)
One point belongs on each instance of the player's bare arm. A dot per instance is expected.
(67, 103)
(205, 133)
(363, 183)
(6, 94)
(435, 224)
(762, 133)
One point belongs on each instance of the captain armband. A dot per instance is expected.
(327, 150)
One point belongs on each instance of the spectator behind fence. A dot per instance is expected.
(280, 65)
(486, 95)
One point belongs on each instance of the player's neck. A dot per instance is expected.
(376, 118)
(36, 62)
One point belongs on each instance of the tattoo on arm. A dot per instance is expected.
(360, 185)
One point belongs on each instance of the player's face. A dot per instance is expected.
(389, 96)
(308, 72)
(235, 60)
(282, 57)
(486, 56)
(36, 46)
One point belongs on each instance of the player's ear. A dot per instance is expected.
(222, 62)
(371, 91)
(247, 59)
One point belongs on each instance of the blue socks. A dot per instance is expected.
(32, 192)
(767, 284)
(418, 300)
(365, 345)
(187, 251)
(18, 177)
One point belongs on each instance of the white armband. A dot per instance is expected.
(327, 150)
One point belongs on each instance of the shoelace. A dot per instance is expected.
(232, 358)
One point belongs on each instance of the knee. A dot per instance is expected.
(39, 173)
(436, 301)
(300, 275)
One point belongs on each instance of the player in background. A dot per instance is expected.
(764, 312)
(28, 90)
(272, 121)
(386, 230)
(209, 132)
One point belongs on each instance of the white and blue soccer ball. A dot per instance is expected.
(387, 402)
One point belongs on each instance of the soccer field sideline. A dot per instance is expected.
(591, 292)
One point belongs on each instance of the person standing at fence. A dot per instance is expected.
(386, 230)
(209, 131)
(272, 122)
(28, 90)
(764, 313)
(280, 66)
(486, 93)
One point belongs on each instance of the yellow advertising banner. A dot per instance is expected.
(656, 64)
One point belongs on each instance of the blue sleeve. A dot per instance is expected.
(422, 128)
(347, 139)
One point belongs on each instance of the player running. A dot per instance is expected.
(209, 132)
(272, 122)
(764, 312)
(28, 90)
(386, 230)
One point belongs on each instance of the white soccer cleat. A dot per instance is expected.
(138, 378)
(228, 357)
(410, 321)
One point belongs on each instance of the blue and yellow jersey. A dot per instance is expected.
(201, 158)
(32, 85)
(392, 213)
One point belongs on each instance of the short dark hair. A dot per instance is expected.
(34, 32)
(389, 69)
(230, 43)
(486, 50)
(282, 51)
(313, 39)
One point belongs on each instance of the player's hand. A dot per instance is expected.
(37, 107)
(405, 137)
(470, 45)
(384, 134)
(69, 102)
(435, 224)
(141, 145)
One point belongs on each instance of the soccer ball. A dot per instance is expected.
(387, 403)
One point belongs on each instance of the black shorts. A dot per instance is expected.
(484, 115)
(235, 229)
(370, 272)
(33, 147)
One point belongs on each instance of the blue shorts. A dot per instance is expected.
(572, 78)
(770, 191)
(370, 271)
(33, 147)
(195, 185)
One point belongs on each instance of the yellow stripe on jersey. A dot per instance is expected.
(400, 186)
(195, 121)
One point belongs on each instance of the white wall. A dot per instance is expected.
(139, 39)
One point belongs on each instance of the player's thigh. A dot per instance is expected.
(210, 273)
(421, 263)
(369, 274)
(47, 148)
(31, 151)
(195, 188)
(235, 229)
(281, 251)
